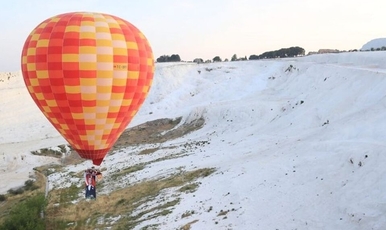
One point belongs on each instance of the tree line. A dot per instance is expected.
(281, 53)
(167, 58)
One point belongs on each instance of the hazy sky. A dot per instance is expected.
(209, 28)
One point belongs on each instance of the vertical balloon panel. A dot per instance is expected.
(88, 73)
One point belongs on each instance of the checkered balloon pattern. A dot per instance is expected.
(88, 73)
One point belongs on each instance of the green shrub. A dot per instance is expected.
(2, 197)
(26, 215)
(16, 191)
(30, 185)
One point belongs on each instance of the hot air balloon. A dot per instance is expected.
(88, 73)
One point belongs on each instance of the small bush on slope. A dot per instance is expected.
(26, 215)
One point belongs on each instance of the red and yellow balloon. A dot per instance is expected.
(88, 73)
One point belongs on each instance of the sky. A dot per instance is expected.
(205, 29)
(293, 148)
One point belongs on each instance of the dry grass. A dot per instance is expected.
(189, 188)
(151, 132)
(85, 214)
(72, 159)
(148, 151)
(66, 209)
(51, 152)
(188, 225)
(147, 133)
(12, 200)
(128, 170)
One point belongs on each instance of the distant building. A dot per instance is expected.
(312, 52)
(325, 51)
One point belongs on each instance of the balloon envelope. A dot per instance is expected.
(88, 73)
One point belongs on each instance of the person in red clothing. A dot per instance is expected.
(90, 178)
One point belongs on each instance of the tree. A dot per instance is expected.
(281, 53)
(234, 57)
(166, 58)
(198, 60)
(243, 58)
(253, 57)
(163, 58)
(175, 58)
(217, 59)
